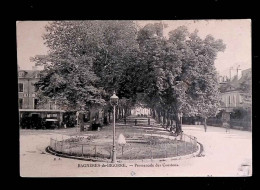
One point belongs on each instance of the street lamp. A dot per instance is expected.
(114, 103)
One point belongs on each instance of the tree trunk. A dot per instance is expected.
(205, 124)
(153, 113)
(164, 119)
(168, 120)
(81, 123)
(159, 117)
(125, 112)
(178, 124)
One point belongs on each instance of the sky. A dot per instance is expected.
(236, 34)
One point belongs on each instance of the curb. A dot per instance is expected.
(201, 150)
(198, 153)
(50, 151)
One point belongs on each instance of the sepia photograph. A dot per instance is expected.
(135, 98)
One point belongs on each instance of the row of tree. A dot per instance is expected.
(87, 60)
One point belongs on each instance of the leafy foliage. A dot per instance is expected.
(85, 61)
(184, 77)
(89, 59)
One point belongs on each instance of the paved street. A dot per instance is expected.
(224, 153)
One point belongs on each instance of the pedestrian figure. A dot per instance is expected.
(205, 127)
(205, 124)
(227, 126)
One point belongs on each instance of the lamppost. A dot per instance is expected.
(114, 103)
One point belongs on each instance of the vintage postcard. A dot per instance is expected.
(135, 98)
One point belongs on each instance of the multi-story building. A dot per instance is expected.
(232, 95)
(26, 89)
(28, 102)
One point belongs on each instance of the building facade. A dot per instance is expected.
(27, 97)
(232, 95)
(26, 90)
(28, 102)
(140, 111)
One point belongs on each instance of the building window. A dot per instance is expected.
(240, 99)
(34, 87)
(21, 74)
(20, 103)
(35, 104)
(20, 87)
(229, 100)
(52, 106)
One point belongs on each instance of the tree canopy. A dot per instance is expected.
(89, 59)
(182, 77)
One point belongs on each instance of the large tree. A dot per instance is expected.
(184, 79)
(85, 61)
(89, 59)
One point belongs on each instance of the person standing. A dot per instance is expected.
(205, 125)
(227, 126)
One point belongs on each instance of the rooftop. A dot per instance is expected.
(234, 84)
(28, 73)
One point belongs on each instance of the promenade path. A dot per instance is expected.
(225, 154)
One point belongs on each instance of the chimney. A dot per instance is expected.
(230, 73)
(239, 72)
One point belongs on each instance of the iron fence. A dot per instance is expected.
(147, 146)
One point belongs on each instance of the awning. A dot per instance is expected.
(39, 110)
(51, 120)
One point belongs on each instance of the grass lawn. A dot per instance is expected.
(143, 142)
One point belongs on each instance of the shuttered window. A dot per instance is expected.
(20, 87)
(20, 103)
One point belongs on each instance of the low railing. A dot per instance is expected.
(151, 146)
(80, 150)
